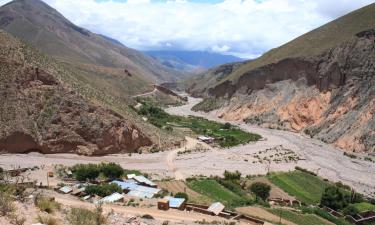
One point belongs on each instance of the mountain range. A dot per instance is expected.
(192, 61)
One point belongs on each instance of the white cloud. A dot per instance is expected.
(243, 27)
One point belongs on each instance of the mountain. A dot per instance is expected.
(191, 60)
(322, 84)
(43, 27)
(65, 89)
(312, 43)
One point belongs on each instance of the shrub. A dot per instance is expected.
(232, 175)
(111, 170)
(16, 219)
(80, 216)
(350, 210)
(47, 205)
(148, 217)
(333, 197)
(182, 195)
(47, 220)
(103, 190)
(6, 204)
(261, 190)
(227, 126)
(84, 172)
(305, 170)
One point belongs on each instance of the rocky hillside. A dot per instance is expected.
(47, 108)
(310, 44)
(38, 24)
(330, 96)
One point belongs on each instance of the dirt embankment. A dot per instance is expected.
(329, 97)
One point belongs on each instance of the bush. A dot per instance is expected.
(103, 190)
(83, 172)
(111, 170)
(47, 220)
(350, 210)
(182, 195)
(227, 126)
(148, 217)
(334, 198)
(261, 190)
(305, 170)
(47, 205)
(6, 204)
(80, 216)
(232, 175)
(16, 219)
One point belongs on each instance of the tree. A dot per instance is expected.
(261, 190)
(227, 126)
(103, 190)
(334, 198)
(84, 172)
(111, 170)
(182, 195)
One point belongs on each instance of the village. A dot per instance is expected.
(109, 186)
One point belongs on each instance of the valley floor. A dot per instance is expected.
(286, 149)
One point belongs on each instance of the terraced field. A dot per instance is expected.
(303, 186)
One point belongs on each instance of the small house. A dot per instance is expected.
(216, 208)
(206, 139)
(163, 204)
(115, 197)
(177, 203)
(144, 181)
(66, 190)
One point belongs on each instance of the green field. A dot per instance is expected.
(299, 218)
(226, 135)
(364, 206)
(212, 189)
(305, 187)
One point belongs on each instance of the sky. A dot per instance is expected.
(245, 28)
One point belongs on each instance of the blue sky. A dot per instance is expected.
(245, 28)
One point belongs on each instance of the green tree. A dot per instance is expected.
(83, 172)
(227, 126)
(111, 170)
(182, 195)
(261, 190)
(334, 198)
(103, 190)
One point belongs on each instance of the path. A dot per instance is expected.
(145, 94)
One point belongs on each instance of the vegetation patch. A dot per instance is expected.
(304, 186)
(103, 190)
(214, 190)
(226, 135)
(364, 206)
(298, 218)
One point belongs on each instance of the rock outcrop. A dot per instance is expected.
(40, 112)
(330, 96)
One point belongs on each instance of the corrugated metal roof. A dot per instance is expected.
(131, 176)
(140, 194)
(66, 189)
(142, 179)
(216, 208)
(125, 185)
(112, 198)
(175, 202)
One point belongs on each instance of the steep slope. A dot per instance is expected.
(47, 108)
(330, 96)
(310, 44)
(36, 23)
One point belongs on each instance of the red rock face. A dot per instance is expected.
(330, 97)
(40, 113)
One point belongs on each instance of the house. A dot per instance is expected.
(130, 176)
(176, 203)
(216, 208)
(206, 139)
(66, 190)
(144, 181)
(163, 204)
(135, 190)
(115, 197)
